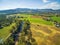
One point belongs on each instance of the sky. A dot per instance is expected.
(32, 4)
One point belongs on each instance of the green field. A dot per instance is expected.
(56, 18)
(6, 31)
(35, 20)
(40, 21)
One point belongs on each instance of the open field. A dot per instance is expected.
(56, 18)
(42, 33)
(5, 32)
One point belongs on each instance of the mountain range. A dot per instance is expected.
(26, 10)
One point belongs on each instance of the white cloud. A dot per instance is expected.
(53, 5)
(45, 1)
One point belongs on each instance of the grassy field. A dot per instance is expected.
(56, 18)
(40, 21)
(6, 31)
(44, 34)
(35, 20)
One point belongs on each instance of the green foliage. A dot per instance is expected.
(54, 18)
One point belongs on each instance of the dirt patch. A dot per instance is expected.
(57, 29)
(35, 16)
(42, 28)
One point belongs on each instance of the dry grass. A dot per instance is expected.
(43, 34)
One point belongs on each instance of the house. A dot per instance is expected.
(57, 25)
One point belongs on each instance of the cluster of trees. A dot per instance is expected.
(4, 21)
(26, 35)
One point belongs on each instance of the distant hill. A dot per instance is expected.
(26, 10)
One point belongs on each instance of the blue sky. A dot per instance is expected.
(33, 4)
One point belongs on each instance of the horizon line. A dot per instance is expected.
(27, 8)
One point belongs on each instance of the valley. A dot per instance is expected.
(27, 29)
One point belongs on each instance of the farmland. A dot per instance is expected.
(40, 31)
